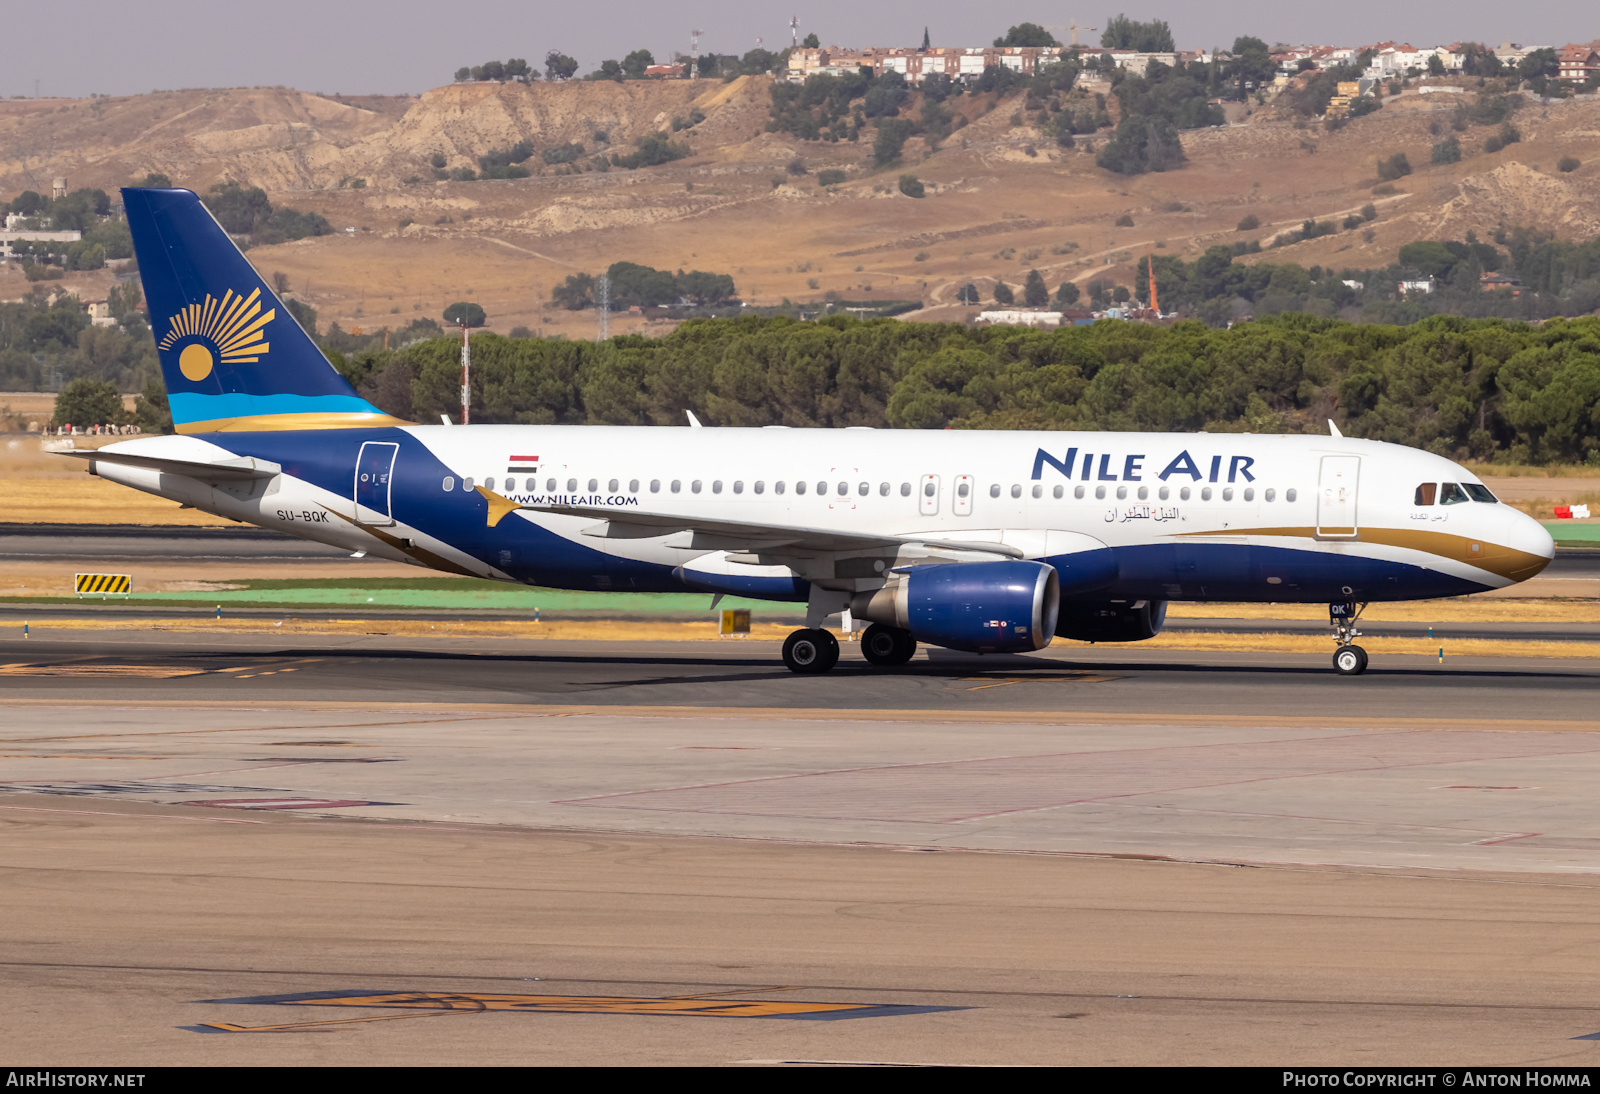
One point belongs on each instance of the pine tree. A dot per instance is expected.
(925, 42)
(1034, 292)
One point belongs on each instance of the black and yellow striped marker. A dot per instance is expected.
(103, 584)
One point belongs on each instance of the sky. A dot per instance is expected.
(390, 47)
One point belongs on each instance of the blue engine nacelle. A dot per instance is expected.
(984, 607)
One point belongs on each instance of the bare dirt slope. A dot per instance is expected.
(1001, 201)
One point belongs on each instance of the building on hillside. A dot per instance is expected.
(664, 72)
(964, 63)
(1422, 285)
(1495, 282)
(1018, 317)
(99, 312)
(10, 236)
(1577, 63)
(58, 189)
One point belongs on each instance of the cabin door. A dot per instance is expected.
(1336, 497)
(374, 481)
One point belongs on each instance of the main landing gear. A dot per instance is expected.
(887, 646)
(811, 651)
(1349, 659)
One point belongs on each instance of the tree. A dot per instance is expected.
(891, 139)
(1003, 293)
(1023, 34)
(463, 74)
(1447, 150)
(575, 293)
(1035, 293)
(811, 41)
(1396, 166)
(968, 294)
(1123, 33)
(518, 69)
(1540, 62)
(926, 44)
(558, 66)
(1142, 144)
(465, 313)
(86, 401)
(1066, 294)
(1435, 65)
(1251, 66)
(634, 64)
(911, 186)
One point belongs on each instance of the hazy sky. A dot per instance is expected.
(368, 46)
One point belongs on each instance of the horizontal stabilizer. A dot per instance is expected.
(237, 469)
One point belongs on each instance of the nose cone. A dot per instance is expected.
(1531, 545)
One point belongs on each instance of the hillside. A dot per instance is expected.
(1000, 199)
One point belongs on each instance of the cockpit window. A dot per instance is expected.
(1479, 492)
(1452, 494)
(1427, 494)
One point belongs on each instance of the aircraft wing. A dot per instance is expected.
(242, 467)
(728, 535)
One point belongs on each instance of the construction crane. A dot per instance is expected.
(1072, 28)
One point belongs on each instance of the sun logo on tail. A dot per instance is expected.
(230, 329)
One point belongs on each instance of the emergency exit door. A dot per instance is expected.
(1336, 497)
(374, 482)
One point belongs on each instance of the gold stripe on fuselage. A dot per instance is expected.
(1485, 555)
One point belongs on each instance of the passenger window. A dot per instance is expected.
(511, 484)
(677, 485)
(963, 489)
(449, 483)
(694, 487)
(994, 491)
(777, 487)
(905, 490)
(655, 486)
(611, 487)
(760, 487)
(1479, 492)
(800, 488)
(883, 490)
(1058, 491)
(1205, 493)
(1452, 494)
(633, 486)
(1164, 493)
(1227, 493)
(864, 489)
(1427, 494)
(1144, 493)
(1288, 495)
(1077, 492)
(1122, 492)
(738, 486)
(594, 485)
(1183, 494)
(488, 483)
(1038, 491)
(822, 489)
(927, 489)
(844, 488)
(1016, 491)
(466, 483)
(1249, 493)
(716, 486)
(1271, 494)
(1100, 493)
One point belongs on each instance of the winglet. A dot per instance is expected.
(499, 506)
(693, 421)
(1333, 430)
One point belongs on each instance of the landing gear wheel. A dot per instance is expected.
(887, 646)
(811, 651)
(1350, 661)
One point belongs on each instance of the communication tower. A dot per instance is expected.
(794, 32)
(605, 307)
(466, 375)
(694, 53)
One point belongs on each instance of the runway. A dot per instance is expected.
(403, 849)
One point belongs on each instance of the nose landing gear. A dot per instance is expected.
(1349, 659)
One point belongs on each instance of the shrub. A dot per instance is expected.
(562, 153)
(830, 177)
(1447, 151)
(1369, 211)
(1250, 223)
(911, 186)
(796, 166)
(1567, 164)
(1352, 222)
(1125, 221)
(1396, 166)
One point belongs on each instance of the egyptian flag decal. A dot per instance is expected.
(524, 464)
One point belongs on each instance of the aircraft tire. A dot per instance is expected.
(1350, 661)
(887, 646)
(810, 652)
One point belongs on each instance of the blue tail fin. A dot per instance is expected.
(232, 355)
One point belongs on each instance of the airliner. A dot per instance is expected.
(980, 541)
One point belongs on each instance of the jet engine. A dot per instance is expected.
(984, 607)
(1111, 620)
